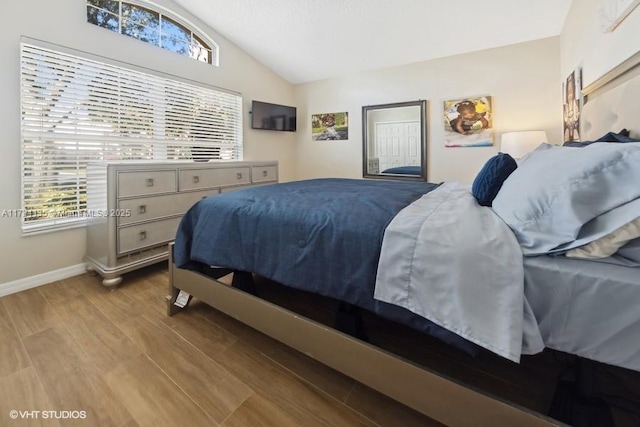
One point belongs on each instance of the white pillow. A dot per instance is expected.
(608, 245)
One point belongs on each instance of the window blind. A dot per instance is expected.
(77, 110)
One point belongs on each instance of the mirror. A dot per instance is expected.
(394, 141)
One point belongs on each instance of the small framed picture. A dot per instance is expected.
(330, 126)
(468, 122)
(571, 104)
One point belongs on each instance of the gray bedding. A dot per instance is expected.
(455, 263)
(591, 309)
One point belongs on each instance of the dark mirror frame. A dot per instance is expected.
(423, 141)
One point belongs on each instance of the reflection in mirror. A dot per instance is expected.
(394, 141)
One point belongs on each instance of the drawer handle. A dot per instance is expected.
(142, 209)
(265, 173)
(143, 235)
(149, 182)
(196, 179)
(239, 175)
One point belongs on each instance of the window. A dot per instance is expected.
(151, 27)
(77, 110)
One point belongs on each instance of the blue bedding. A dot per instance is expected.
(321, 235)
(404, 170)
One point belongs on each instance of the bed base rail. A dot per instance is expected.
(417, 387)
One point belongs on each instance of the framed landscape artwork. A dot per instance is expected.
(330, 126)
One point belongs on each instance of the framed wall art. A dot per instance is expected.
(613, 12)
(468, 122)
(330, 126)
(571, 105)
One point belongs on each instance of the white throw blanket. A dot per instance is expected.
(456, 263)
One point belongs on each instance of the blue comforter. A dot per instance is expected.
(321, 235)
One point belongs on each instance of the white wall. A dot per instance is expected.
(584, 42)
(522, 79)
(63, 22)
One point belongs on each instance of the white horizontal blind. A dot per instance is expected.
(76, 110)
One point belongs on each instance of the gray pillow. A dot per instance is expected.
(608, 244)
(555, 192)
(630, 251)
(627, 256)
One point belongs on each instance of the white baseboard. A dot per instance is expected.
(41, 279)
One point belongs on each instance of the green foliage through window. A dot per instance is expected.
(149, 26)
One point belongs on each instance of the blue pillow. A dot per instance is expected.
(622, 136)
(552, 195)
(491, 176)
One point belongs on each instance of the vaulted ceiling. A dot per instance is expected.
(305, 40)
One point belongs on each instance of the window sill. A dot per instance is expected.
(29, 230)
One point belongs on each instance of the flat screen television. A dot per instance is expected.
(273, 116)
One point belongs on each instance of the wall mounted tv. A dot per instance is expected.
(273, 116)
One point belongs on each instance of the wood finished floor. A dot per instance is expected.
(74, 345)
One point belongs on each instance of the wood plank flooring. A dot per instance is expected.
(73, 345)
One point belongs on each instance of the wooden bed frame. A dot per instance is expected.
(440, 398)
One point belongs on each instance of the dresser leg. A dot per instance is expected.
(112, 283)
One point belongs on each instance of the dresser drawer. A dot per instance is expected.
(147, 208)
(194, 179)
(264, 173)
(146, 235)
(144, 183)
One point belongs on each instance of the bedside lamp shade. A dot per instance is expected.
(517, 144)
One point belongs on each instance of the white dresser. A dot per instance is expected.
(134, 207)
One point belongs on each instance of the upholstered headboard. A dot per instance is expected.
(612, 111)
(612, 103)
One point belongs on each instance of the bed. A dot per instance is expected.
(554, 289)
(404, 170)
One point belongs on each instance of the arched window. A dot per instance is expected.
(151, 26)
